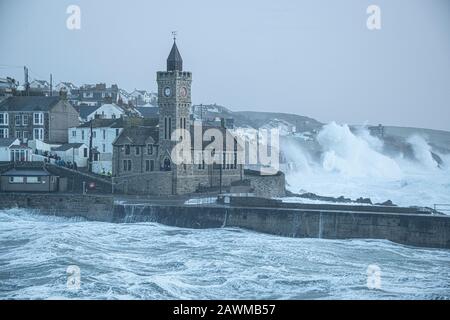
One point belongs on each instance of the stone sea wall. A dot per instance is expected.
(415, 229)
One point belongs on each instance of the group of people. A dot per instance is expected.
(58, 161)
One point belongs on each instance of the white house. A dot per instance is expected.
(107, 111)
(40, 86)
(67, 86)
(73, 152)
(104, 132)
(141, 97)
(124, 96)
(12, 150)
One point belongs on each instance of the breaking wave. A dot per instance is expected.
(355, 156)
(355, 164)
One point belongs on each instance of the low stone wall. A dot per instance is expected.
(409, 229)
(421, 230)
(76, 178)
(151, 183)
(90, 207)
(269, 186)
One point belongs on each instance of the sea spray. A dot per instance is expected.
(422, 151)
(342, 162)
(354, 156)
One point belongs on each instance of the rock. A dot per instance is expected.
(363, 200)
(387, 203)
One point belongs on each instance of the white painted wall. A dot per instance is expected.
(102, 140)
(74, 154)
(4, 154)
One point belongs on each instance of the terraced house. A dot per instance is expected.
(37, 118)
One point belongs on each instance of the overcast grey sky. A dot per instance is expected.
(314, 58)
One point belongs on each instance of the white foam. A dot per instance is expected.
(353, 165)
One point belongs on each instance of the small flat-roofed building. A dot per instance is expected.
(28, 180)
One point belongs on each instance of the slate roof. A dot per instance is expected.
(137, 136)
(85, 111)
(148, 112)
(174, 60)
(29, 103)
(103, 123)
(6, 142)
(67, 146)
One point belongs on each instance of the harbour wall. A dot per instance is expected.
(422, 230)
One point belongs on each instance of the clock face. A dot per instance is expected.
(183, 92)
(167, 91)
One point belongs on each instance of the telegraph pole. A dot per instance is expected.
(51, 85)
(90, 148)
(27, 84)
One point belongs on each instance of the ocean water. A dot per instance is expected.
(153, 261)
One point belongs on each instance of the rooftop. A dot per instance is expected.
(29, 103)
(26, 172)
(68, 146)
(138, 135)
(6, 142)
(103, 123)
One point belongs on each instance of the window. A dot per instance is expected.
(3, 118)
(127, 149)
(85, 152)
(152, 165)
(165, 128)
(170, 128)
(74, 133)
(104, 134)
(82, 134)
(18, 119)
(126, 165)
(149, 149)
(117, 132)
(38, 134)
(25, 120)
(3, 133)
(18, 134)
(147, 165)
(104, 148)
(138, 150)
(16, 179)
(25, 134)
(94, 134)
(38, 118)
(34, 180)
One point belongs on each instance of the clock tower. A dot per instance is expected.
(174, 100)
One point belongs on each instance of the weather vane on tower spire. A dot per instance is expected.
(174, 34)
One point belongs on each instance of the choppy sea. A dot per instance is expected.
(153, 261)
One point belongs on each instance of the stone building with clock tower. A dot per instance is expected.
(174, 100)
(142, 161)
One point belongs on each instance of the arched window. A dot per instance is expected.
(166, 165)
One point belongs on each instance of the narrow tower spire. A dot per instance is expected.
(174, 61)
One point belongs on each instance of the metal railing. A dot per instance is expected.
(442, 208)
